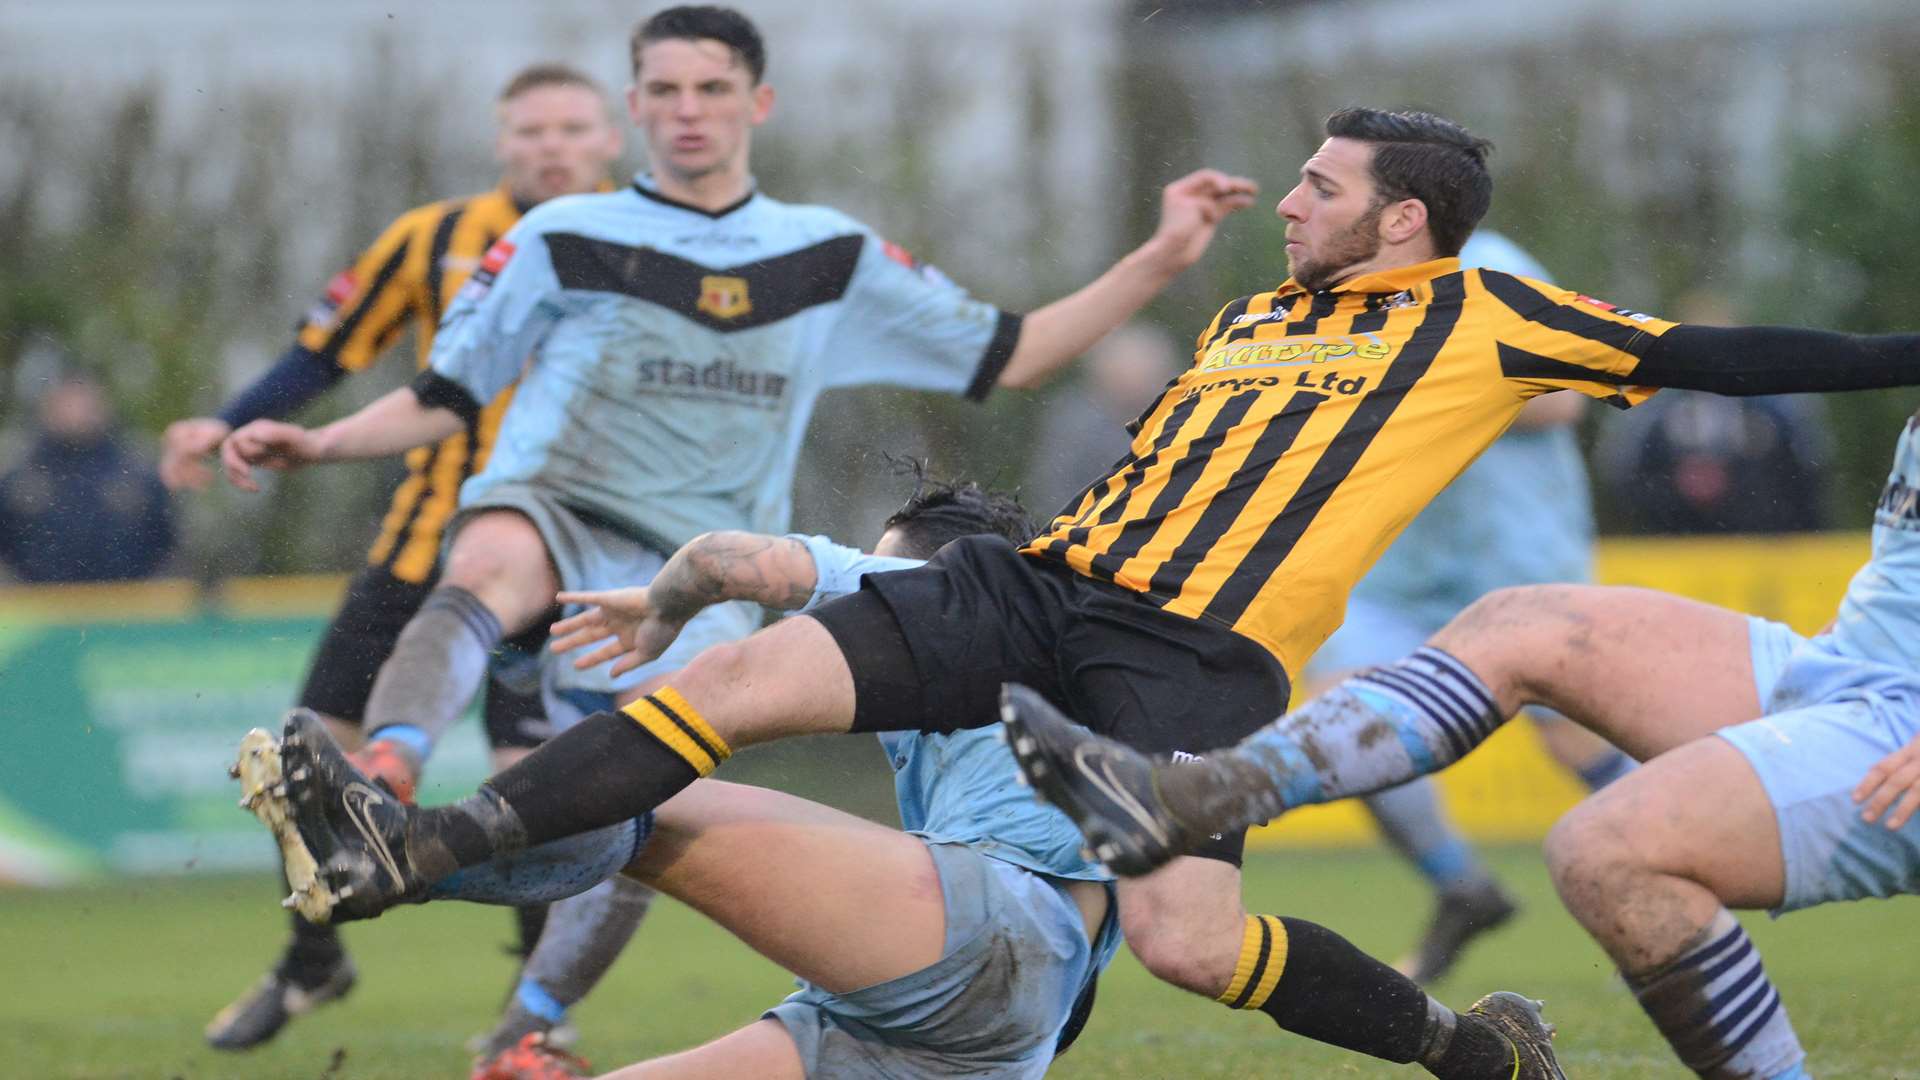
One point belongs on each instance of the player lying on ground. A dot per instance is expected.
(1813, 802)
(670, 340)
(960, 947)
(554, 138)
(1318, 418)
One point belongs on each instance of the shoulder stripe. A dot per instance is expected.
(775, 288)
(1530, 304)
(1337, 461)
(1516, 363)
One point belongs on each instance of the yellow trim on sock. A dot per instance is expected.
(654, 719)
(1276, 962)
(671, 698)
(1243, 967)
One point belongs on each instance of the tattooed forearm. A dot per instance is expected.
(769, 570)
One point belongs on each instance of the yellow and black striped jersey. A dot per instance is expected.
(1312, 427)
(407, 278)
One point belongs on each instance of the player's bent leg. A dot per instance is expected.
(1649, 866)
(762, 1050)
(1644, 670)
(918, 958)
(799, 882)
(499, 578)
(1186, 925)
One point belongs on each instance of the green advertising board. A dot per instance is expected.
(118, 733)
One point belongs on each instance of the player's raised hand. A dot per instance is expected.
(184, 449)
(270, 444)
(1894, 777)
(1192, 208)
(623, 622)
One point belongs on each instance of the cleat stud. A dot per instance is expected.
(1024, 745)
(298, 775)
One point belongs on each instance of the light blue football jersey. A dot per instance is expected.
(669, 358)
(1521, 514)
(962, 788)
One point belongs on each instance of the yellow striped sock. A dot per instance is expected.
(1263, 955)
(671, 719)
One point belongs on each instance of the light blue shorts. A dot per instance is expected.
(588, 555)
(1828, 720)
(1016, 957)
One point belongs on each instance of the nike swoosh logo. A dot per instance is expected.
(357, 798)
(1099, 772)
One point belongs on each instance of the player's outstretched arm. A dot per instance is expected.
(635, 625)
(1191, 210)
(1895, 777)
(399, 421)
(1748, 360)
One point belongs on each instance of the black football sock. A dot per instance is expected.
(1314, 982)
(609, 768)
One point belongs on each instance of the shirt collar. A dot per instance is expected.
(644, 183)
(1395, 279)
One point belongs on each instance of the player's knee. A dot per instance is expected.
(501, 558)
(1590, 851)
(1180, 951)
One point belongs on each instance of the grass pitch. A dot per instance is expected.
(116, 981)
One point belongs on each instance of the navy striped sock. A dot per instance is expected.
(1433, 707)
(1717, 1008)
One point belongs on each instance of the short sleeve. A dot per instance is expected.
(1556, 339)
(500, 317)
(839, 568)
(903, 323)
(367, 305)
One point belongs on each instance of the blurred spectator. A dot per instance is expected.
(1701, 463)
(80, 506)
(1085, 429)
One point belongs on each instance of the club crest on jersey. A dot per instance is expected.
(724, 297)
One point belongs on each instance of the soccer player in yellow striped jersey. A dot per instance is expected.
(1314, 424)
(1164, 607)
(555, 137)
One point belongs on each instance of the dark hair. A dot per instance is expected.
(539, 75)
(939, 511)
(696, 22)
(1417, 155)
